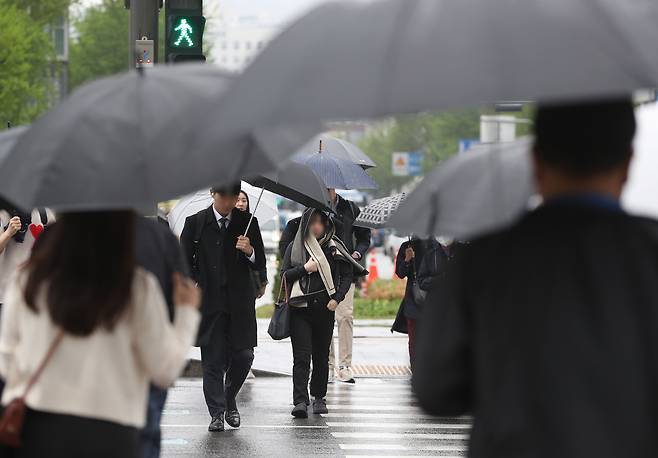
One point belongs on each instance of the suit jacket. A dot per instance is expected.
(238, 296)
(548, 333)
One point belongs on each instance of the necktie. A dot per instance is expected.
(222, 224)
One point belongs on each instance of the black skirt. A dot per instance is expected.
(67, 436)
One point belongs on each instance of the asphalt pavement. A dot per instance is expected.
(374, 417)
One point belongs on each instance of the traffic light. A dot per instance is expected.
(184, 30)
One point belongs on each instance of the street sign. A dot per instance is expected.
(143, 53)
(408, 164)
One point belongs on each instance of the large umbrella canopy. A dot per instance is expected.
(118, 142)
(338, 173)
(336, 147)
(367, 59)
(200, 200)
(8, 139)
(477, 191)
(295, 182)
(376, 214)
(641, 194)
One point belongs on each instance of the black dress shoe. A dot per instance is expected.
(233, 418)
(217, 424)
(300, 410)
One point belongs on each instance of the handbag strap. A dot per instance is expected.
(51, 350)
(283, 286)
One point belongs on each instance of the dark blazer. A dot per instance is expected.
(548, 334)
(240, 293)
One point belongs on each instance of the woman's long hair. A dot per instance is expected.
(246, 196)
(86, 262)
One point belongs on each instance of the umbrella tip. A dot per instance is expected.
(320, 150)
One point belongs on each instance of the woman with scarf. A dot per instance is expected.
(318, 271)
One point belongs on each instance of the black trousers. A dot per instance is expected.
(224, 368)
(67, 436)
(311, 330)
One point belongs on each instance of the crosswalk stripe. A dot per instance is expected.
(404, 448)
(387, 435)
(399, 425)
(387, 407)
(365, 397)
(401, 456)
(382, 415)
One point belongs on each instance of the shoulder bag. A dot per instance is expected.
(13, 416)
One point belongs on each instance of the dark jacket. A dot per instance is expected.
(158, 251)
(341, 269)
(408, 307)
(547, 333)
(433, 268)
(355, 238)
(240, 296)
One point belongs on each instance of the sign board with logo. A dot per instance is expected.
(408, 164)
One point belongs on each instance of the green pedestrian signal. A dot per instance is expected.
(184, 31)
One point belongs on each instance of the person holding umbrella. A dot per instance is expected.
(547, 329)
(258, 277)
(223, 246)
(317, 271)
(408, 263)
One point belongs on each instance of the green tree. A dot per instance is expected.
(437, 135)
(25, 56)
(101, 46)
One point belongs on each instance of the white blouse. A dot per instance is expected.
(104, 375)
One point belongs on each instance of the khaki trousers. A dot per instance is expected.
(345, 321)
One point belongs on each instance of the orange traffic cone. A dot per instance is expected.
(373, 273)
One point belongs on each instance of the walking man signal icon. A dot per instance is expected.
(184, 30)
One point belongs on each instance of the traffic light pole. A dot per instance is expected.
(143, 23)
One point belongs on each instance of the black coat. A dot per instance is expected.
(408, 307)
(341, 272)
(355, 238)
(157, 250)
(241, 295)
(548, 333)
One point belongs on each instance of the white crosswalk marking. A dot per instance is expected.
(340, 424)
(378, 420)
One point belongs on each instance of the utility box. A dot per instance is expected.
(144, 56)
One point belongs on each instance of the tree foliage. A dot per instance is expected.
(436, 135)
(25, 55)
(101, 46)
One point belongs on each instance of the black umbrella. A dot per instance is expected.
(296, 182)
(368, 59)
(119, 142)
(336, 147)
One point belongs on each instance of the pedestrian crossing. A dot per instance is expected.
(381, 418)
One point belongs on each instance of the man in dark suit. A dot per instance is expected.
(547, 332)
(221, 258)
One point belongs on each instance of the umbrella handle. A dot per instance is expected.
(262, 190)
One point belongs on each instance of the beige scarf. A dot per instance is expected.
(315, 252)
